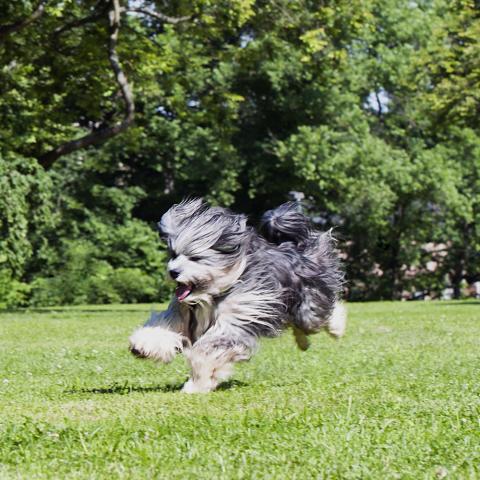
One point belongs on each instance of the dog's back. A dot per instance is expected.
(320, 271)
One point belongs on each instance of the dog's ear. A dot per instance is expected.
(242, 222)
(171, 221)
(231, 240)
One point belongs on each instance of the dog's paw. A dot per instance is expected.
(337, 323)
(303, 343)
(156, 343)
(198, 387)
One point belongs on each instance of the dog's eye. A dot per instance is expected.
(195, 259)
(227, 249)
(172, 254)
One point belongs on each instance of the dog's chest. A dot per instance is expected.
(201, 319)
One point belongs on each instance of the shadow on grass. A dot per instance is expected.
(231, 384)
(75, 310)
(125, 389)
(455, 303)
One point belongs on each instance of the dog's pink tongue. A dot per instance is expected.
(183, 291)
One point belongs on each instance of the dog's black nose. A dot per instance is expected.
(174, 273)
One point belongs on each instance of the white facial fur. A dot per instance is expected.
(208, 280)
(206, 248)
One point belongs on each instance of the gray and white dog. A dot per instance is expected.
(235, 284)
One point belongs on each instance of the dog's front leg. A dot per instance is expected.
(163, 335)
(212, 357)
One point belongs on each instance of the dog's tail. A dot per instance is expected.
(286, 224)
(320, 267)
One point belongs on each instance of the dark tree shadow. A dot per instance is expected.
(454, 303)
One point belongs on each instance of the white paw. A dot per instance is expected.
(337, 323)
(198, 387)
(157, 343)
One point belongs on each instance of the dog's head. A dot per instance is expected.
(207, 248)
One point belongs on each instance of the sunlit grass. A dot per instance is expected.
(398, 397)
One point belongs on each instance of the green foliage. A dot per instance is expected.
(12, 292)
(84, 277)
(369, 108)
(133, 285)
(26, 211)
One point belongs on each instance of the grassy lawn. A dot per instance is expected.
(398, 397)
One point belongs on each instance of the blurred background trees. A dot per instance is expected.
(112, 110)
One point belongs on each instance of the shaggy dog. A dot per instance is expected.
(235, 285)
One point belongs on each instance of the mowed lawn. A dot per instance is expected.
(398, 397)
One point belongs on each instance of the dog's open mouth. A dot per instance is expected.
(183, 290)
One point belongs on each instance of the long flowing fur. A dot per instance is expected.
(235, 284)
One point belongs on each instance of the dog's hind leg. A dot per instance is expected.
(314, 315)
(337, 321)
(301, 338)
(212, 357)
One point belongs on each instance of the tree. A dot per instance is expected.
(449, 72)
(368, 108)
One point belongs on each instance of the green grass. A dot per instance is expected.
(398, 397)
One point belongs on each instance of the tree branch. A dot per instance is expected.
(379, 104)
(159, 16)
(100, 136)
(6, 30)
